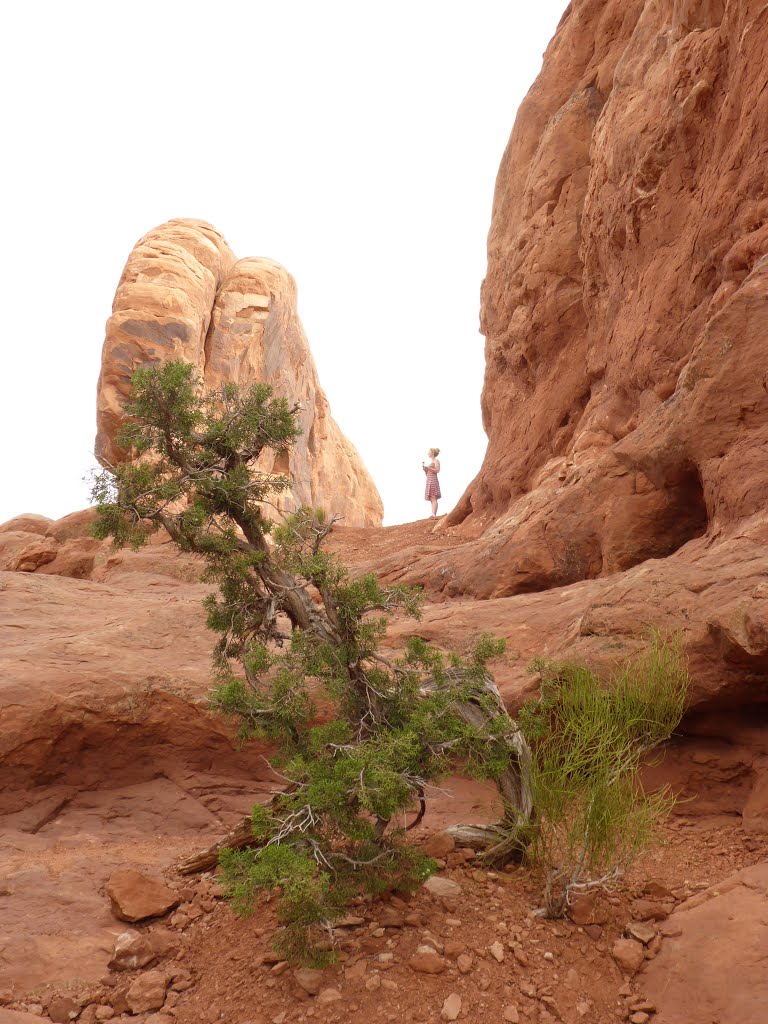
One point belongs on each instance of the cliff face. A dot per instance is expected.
(626, 301)
(183, 294)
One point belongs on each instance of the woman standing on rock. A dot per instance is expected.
(431, 469)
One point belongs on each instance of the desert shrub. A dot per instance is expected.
(357, 738)
(588, 739)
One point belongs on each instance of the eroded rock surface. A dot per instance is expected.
(625, 305)
(184, 295)
(714, 969)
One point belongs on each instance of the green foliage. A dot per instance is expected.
(588, 740)
(357, 738)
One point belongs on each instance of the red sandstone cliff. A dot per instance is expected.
(626, 301)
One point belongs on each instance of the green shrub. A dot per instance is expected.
(588, 740)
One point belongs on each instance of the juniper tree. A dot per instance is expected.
(358, 738)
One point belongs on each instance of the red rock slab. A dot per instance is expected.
(715, 969)
(135, 895)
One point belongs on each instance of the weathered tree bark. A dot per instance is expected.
(237, 838)
(501, 841)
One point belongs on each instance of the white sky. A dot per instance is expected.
(357, 143)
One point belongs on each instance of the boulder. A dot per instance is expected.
(136, 896)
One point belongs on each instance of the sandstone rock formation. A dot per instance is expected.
(626, 315)
(626, 300)
(184, 295)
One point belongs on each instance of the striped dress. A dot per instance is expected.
(432, 489)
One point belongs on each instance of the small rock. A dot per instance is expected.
(427, 961)
(445, 888)
(628, 954)
(519, 954)
(670, 929)
(61, 1007)
(583, 909)
(181, 979)
(328, 995)
(192, 911)
(350, 921)
(373, 982)
(571, 978)
(135, 896)
(311, 981)
(550, 1003)
(453, 948)
(497, 952)
(132, 951)
(511, 1014)
(439, 845)
(451, 1007)
(593, 931)
(649, 910)
(164, 942)
(117, 1000)
(356, 971)
(104, 1013)
(178, 920)
(147, 992)
(657, 891)
(641, 930)
(641, 1003)
(639, 1018)
(464, 963)
(391, 918)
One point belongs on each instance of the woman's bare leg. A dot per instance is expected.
(433, 502)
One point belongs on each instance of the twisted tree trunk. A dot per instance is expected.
(500, 842)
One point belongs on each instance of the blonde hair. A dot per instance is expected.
(434, 452)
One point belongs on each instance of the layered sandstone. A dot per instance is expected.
(184, 295)
(625, 305)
